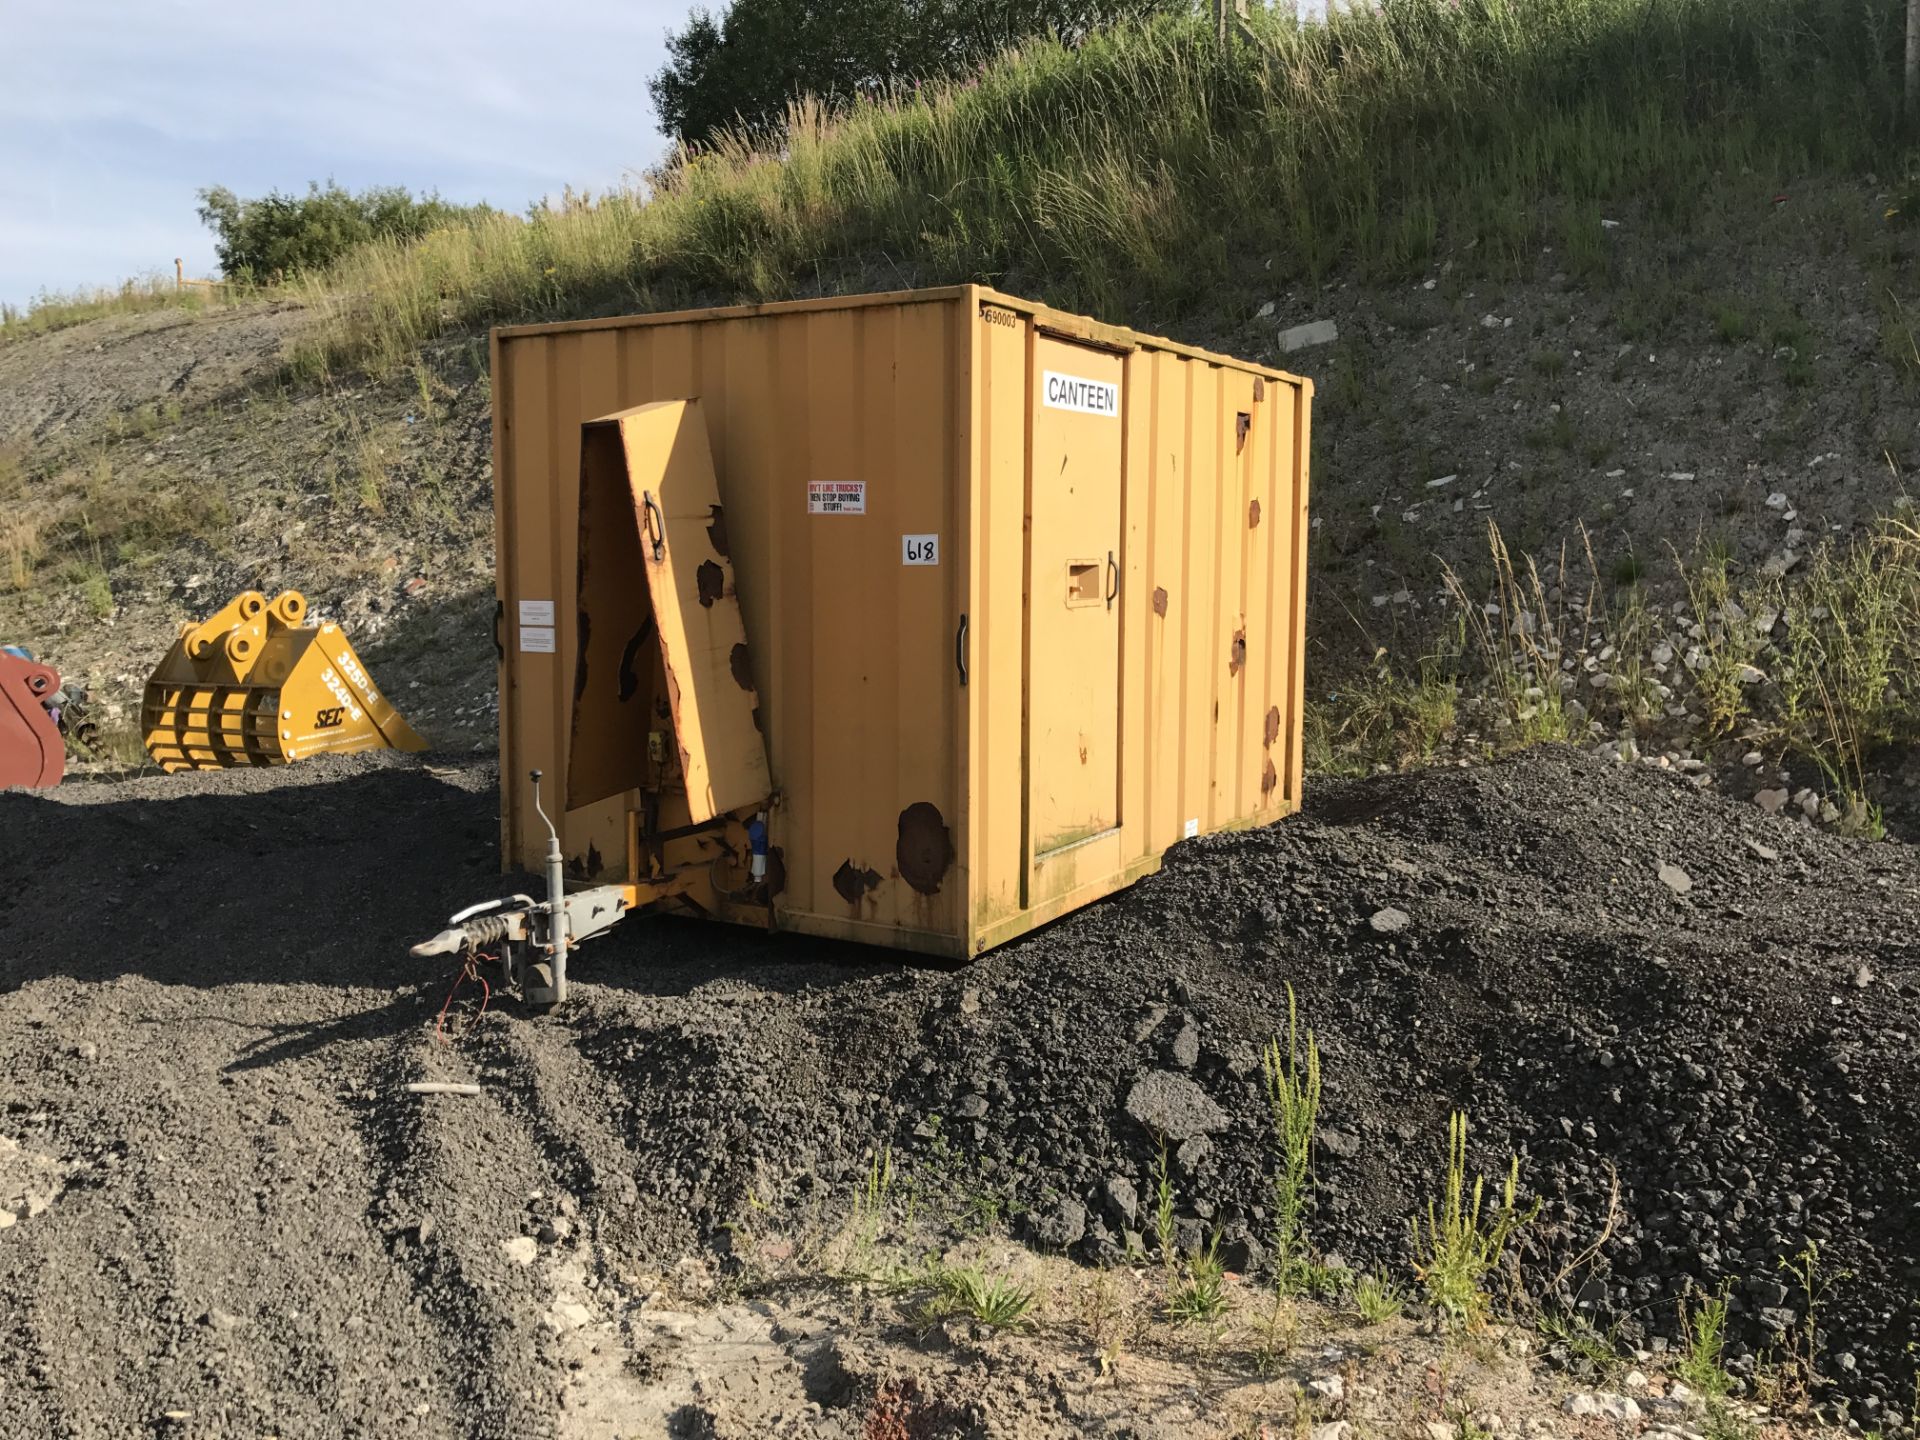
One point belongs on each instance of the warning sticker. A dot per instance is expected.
(836, 497)
(536, 612)
(1071, 392)
(536, 639)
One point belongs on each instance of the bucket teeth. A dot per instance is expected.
(253, 685)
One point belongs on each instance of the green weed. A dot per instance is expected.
(1376, 1299)
(1463, 1244)
(1815, 1285)
(1163, 1225)
(1703, 1344)
(997, 1301)
(1202, 1296)
(1293, 1103)
(1578, 1337)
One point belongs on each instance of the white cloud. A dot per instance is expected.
(114, 114)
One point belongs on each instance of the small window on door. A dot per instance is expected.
(1083, 582)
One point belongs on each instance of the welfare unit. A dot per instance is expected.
(916, 619)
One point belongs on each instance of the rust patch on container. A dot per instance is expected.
(1259, 387)
(710, 580)
(854, 883)
(1242, 423)
(1269, 778)
(717, 531)
(1237, 657)
(1159, 600)
(742, 670)
(1253, 514)
(925, 850)
(1273, 725)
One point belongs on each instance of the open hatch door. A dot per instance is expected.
(650, 507)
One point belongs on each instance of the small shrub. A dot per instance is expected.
(996, 1301)
(96, 592)
(1578, 1337)
(276, 237)
(1202, 1296)
(1703, 1339)
(1463, 1244)
(1376, 1299)
(1731, 323)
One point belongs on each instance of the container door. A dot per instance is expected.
(671, 504)
(1073, 600)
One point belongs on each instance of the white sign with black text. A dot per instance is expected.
(919, 549)
(836, 497)
(1088, 397)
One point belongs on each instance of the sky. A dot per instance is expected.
(114, 113)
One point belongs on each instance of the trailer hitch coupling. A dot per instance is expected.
(529, 940)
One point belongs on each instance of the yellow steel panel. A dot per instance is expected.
(695, 607)
(1296, 627)
(1199, 622)
(1169, 600)
(1073, 621)
(996, 628)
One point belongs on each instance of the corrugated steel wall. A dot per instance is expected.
(852, 651)
(1212, 603)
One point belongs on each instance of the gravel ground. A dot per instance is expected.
(229, 1219)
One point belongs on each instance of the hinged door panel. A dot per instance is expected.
(1073, 583)
(673, 506)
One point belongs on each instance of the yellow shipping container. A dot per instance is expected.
(981, 605)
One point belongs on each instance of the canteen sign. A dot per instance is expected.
(1089, 397)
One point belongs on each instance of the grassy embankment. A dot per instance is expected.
(1150, 177)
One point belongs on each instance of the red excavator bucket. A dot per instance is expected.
(31, 750)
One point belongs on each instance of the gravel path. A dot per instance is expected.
(230, 1219)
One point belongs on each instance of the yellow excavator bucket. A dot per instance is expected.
(254, 685)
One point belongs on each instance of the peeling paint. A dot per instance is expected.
(741, 666)
(853, 882)
(717, 531)
(1253, 514)
(1159, 600)
(1269, 778)
(924, 853)
(1259, 387)
(1243, 422)
(710, 582)
(1273, 725)
(1237, 657)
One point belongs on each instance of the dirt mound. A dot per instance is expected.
(207, 1016)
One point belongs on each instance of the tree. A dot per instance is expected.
(741, 69)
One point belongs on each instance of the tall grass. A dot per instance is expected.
(56, 310)
(1143, 171)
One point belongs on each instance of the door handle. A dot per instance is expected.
(655, 525)
(1113, 580)
(960, 648)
